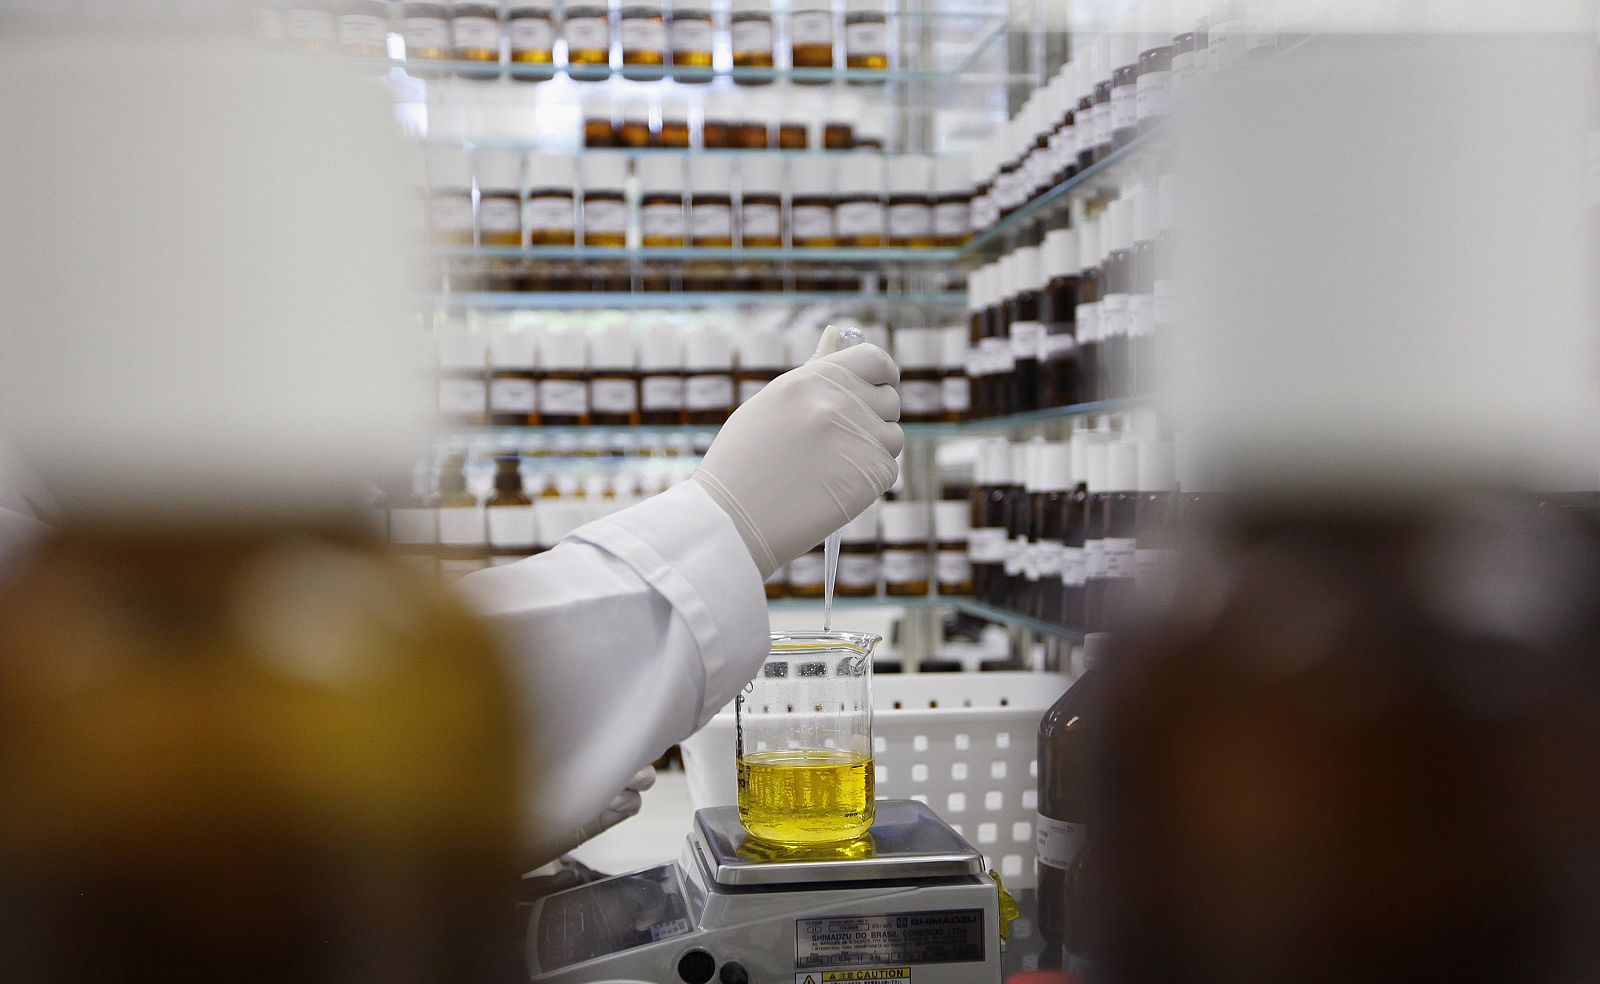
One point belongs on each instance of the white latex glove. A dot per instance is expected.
(622, 806)
(809, 452)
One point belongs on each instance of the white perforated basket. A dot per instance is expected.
(963, 743)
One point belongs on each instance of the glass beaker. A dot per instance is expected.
(805, 740)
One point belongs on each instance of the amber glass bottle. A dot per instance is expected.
(475, 37)
(660, 375)
(866, 36)
(691, 33)
(633, 129)
(717, 122)
(1124, 84)
(499, 198)
(450, 218)
(811, 210)
(910, 182)
(1088, 314)
(563, 377)
(860, 558)
(642, 30)
(586, 27)
(1153, 91)
(1074, 525)
(917, 352)
(364, 28)
(1025, 326)
(613, 376)
(794, 122)
(858, 185)
(751, 128)
(953, 567)
(905, 548)
(674, 123)
(761, 201)
(752, 38)
(426, 30)
(805, 574)
(600, 122)
(661, 201)
(605, 207)
(709, 392)
(551, 209)
(1058, 364)
(531, 34)
(986, 540)
(463, 543)
(811, 36)
(1103, 85)
(955, 386)
(952, 201)
(508, 514)
(513, 382)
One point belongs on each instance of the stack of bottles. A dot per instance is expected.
(784, 118)
(895, 549)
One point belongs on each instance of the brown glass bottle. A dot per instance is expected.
(952, 201)
(952, 565)
(563, 378)
(1048, 505)
(1026, 328)
(551, 210)
(866, 37)
(508, 514)
(905, 548)
(1116, 291)
(660, 375)
(805, 574)
(1097, 460)
(613, 377)
(634, 128)
(513, 383)
(661, 200)
(716, 124)
(860, 556)
(708, 385)
(986, 541)
(1084, 121)
(674, 123)
(793, 134)
(910, 218)
(1153, 93)
(450, 217)
(1103, 85)
(811, 36)
(691, 34)
(955, 386)
(976, 367)
(917, 352)
(605, 207)
(364, 28)
(475, 37)
(1124, 85)
(761, 202)
(1074, 525)
(751, 37)
(1058, 365)
(463, 544)
(531, 33)
(811, 208)
(859, 201)
(838, 135)
(586, 27)
(1110, 598)
(600, 124)
(711, 214)
(642, 31)
(1000, 359)
(499, 198)
(1088, 312)
(1017, 519)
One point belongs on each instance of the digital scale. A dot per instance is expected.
(909, 903)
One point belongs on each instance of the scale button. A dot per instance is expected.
(696, 967)
(733, 973)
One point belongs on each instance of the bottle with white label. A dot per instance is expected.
(364, 28)
(661, 208)
(761, 201)
(797, 110)
(1189, 43)
(450, 218)
(811, 36)
(660, 375)
(1074, 524)
(952, 200)
(1052, 490)
(711, 211)
(1058, 304)
(1153, 90)
(463, 543)
(1088, 309)
(1026, 327)
(986, 542)
(586, 27)
(805, 574)
(761, 360)
(689, 36)
(708, 384)
(508, 514)
(550, 209)
(642, 30)
(905, 548)
(675, 130)
(955, 386)
(1140, 372)
(462, 390)
(976, 328)
(563, 377)
(952, 564)
(840, 112)
(633, 127)
(752, 122)
(531, 27)
(999, 359)
(1101, 72)
(309, 25)
(866, 37)
(860, 558)
(613, 376)
(1083, 116)
(910, 182)
(811, 208)
(859, 200)
(1068, 779)
(426, 30)
(1022, 569)
(752, 40)
(1124, 82)
(413, 522)
(605, 205)
(513, 381)
(475, 37)
(499, 197)
(1116, 296)
(917, 352)
(1097, 461)
(1155, 534)
(1109, 597)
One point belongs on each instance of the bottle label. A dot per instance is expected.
(548, 213)
(857, 570)
(1094, 559)
(531, 34)
(956, 393)
(806, 569)
(812, 27)
(986, 545)
(1124, 107)
(1165, 299)
(587, 33)
(1074, 567)
(1119, 557)
(867, 38)
(563, 397)
(712, 391)
(1057, 347)
(512, 527)
(513, 396)
(1057, 842)
(1183, 69)
(904, 566)
(748, 388)
(451, 213)
(1101, 117)
(812, 222)
(425, 33)
(995, 356)
(760, 222)
(1226, 43)
(861, 219)
(363, 31)
(712, 221)
(691, 34)
(951, 219)
(475, 33)
(499, 214)
(613, 395)
(1030, 560)
(309, 25)
(1083, 131)
(461, 396)
(663, 220)
(1048, 558)
(662, 392)
(605, 217)
(1026, 336)
(461, 526)
(1088, 321)
(1113, 316)
(1016, 550)
(643, 34)
(955, 567)
(413, 527)
(751, 37)
(1153, 93)
(920, 396)
(910, 220)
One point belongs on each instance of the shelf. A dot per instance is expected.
(1015, 619)
(474, 71)
(1031, 418)
(876, 601)
(1088, 180)
(639, 300)
(962, 603)
(931, 257)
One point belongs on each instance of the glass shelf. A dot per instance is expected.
(841, 255)
(875, 601)
(638, 300)
(961, 603)
(1004, 616)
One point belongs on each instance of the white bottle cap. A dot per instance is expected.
(993, 466)
(911, 174)
(1146, 227)
(461, 349)
(599, 105)
(449, 168)
(1089, 252)
(512, 346)
(1058, 257)
(1079, 447)
(1157, 467)
(796, 107)
(1083, 62)
(711, 174)
(636, 110)
(865, 6)
(917, 348)
(954, 345)
(760, 349)
(674, 109)
(860, 173)
(612, 347)
(904, 522)
(1124, 466)
(551, 171)
(604, 170)
(751, 6)
(660, 348)
(1019, 463)
(1097, 459)
(721, 108)
(864, 528)
(548, 6)
(1032, 464)
(1025, 269)
(800, 5)
(811, 175)
(499, 170)
(1100, 58)
(707, 349)
(563, 349)
(1124, 43)
(659, 174)
(1055, 467)
(952, 175)
(761, 174)
(1120, 235)
(1096, 646)
(952, 520)
(1157, 22)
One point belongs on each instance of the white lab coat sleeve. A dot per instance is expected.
(623, 640)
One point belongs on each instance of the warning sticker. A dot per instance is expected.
(941, 936)
(881, 975)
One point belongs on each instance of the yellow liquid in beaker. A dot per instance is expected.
(806, 796)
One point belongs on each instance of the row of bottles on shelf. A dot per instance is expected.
(595, 199)
(524, 370)
(784, 118)
(896, 548)
(688, 39)
(1076, 319)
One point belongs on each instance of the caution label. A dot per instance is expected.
(834, 943)
(881, 975)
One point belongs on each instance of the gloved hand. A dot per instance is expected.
(622, 806)
(809, 452)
